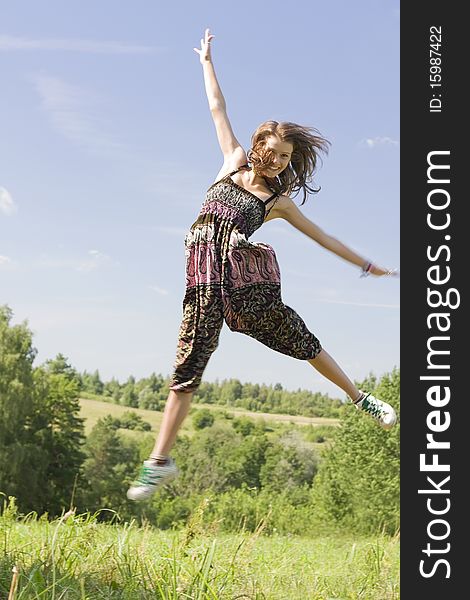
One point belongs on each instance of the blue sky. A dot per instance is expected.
(107, 148)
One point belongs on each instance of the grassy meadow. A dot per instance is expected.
(92, 410)
(76, 557)
(83, 557)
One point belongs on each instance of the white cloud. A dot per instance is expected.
(95, 260)
(159, 290)
(6, 263)
(378, 141)
(7, 206)
(56, 263)
(73, 112)
(10, 43)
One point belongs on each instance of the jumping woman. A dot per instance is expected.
(229, 278)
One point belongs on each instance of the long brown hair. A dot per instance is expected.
(307, 145)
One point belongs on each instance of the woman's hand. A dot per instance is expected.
(205, 50)
(379, 271)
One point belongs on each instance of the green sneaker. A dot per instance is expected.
(150, 478)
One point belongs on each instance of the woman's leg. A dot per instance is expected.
(330, 369)
(197, 340)
(382, 412)
(176, 409)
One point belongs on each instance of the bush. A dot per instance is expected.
(131, 420)
(244, 425)
(320, 433)
(357, 485)
(202, 418)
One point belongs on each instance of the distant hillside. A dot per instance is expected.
(151, 393)
(92, 410)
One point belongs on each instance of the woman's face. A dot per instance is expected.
(281, 154)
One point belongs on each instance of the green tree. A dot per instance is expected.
(357, 485)
(129, 395)
(230, 392)
(131, 420)
(59, 430)
(60, 366)
(250, 391)
(202, 418)
(149, 399)
(206, 393)
(112, 389)
(244, 425)
(110, 465)
(92, 383)
(218, 458)
(290, 462)
(40, 431)
(21, 461)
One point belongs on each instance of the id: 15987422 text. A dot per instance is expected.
(435, 68)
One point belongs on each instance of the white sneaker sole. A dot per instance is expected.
(138, 493)
(390, 424)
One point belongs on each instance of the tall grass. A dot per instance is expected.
(78, 557)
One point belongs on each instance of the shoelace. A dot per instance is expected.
(373, 408)
(146, 476)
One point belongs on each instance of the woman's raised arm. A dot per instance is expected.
(230, 146)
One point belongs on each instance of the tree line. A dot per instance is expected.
(151, 393)
(239, 470)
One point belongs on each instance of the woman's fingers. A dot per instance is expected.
(208, 36)
(391, 272)
(205, 48)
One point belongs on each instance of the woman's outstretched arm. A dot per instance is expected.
(288, 210)
(230, 146)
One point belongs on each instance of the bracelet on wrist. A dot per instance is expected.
(366, 269)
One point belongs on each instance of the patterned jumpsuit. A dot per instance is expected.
(230, 278)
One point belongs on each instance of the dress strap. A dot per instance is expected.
(265, 202)
(238, 169)
(271, 207)
(268, 200)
